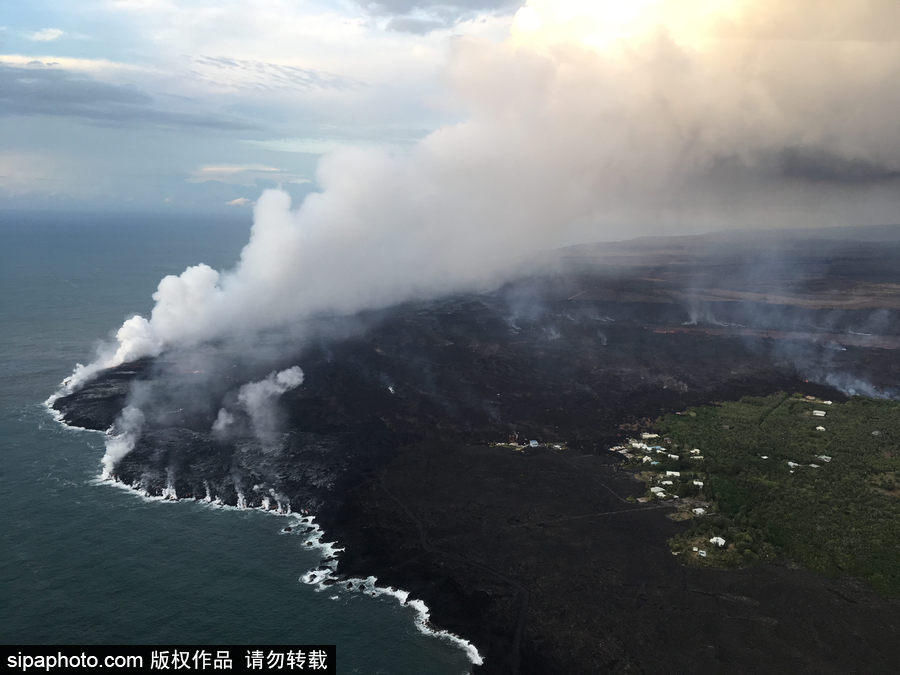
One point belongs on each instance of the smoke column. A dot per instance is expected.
(257, 399)
(591, 121)
(124, 434)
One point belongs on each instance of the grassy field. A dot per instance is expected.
(775, 485)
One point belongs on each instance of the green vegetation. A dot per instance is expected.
(835, 510)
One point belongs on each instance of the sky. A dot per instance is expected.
(637, 116)
(199, 105)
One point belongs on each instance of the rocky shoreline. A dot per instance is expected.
(536, 556)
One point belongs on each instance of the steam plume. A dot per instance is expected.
(125, 433)
(592, 120)
(257, 400)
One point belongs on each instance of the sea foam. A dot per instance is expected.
(321, 578)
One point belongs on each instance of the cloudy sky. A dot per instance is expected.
(192, 104)
(635, 114)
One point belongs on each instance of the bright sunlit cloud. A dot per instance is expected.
(602, 23)
(46, 35)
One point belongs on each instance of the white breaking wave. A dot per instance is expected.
(322, 577)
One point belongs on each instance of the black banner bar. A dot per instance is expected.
(186, 659)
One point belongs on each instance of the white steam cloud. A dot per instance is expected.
(124, 434)
(223, 423)
(592, 120)
(257, 400)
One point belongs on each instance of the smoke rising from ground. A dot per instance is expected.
(258, 400)
(590, 122)
(124, 434)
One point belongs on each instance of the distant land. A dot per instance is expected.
(543, 556)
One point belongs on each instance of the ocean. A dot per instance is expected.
(85, 562)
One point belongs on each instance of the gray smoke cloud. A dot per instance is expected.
(652, 116)
(257, 400)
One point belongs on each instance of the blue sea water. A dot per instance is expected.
(86, 563)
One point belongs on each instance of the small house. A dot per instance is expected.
(819, 413)
(698, 483)
(820, 428)
(671, 456)
(718, 541)
(667, 482)
(673, 473)
(699, 511)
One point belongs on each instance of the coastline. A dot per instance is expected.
(322, 578)
(536, 557)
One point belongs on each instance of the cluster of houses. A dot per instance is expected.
(648, 451)
(718, 541)
(816, 413)
(514, 443)
(655, 455)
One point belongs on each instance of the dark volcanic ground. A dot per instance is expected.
(536, 556)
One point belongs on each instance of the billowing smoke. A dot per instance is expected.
(257, 400)
(593, 120)
(125, 433)
(224, 421)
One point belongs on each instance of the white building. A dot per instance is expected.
(820, 428)
(673, 473)
(698, 483)
(671, 456)
(718, 541)
(819, 413)
(699, 511)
